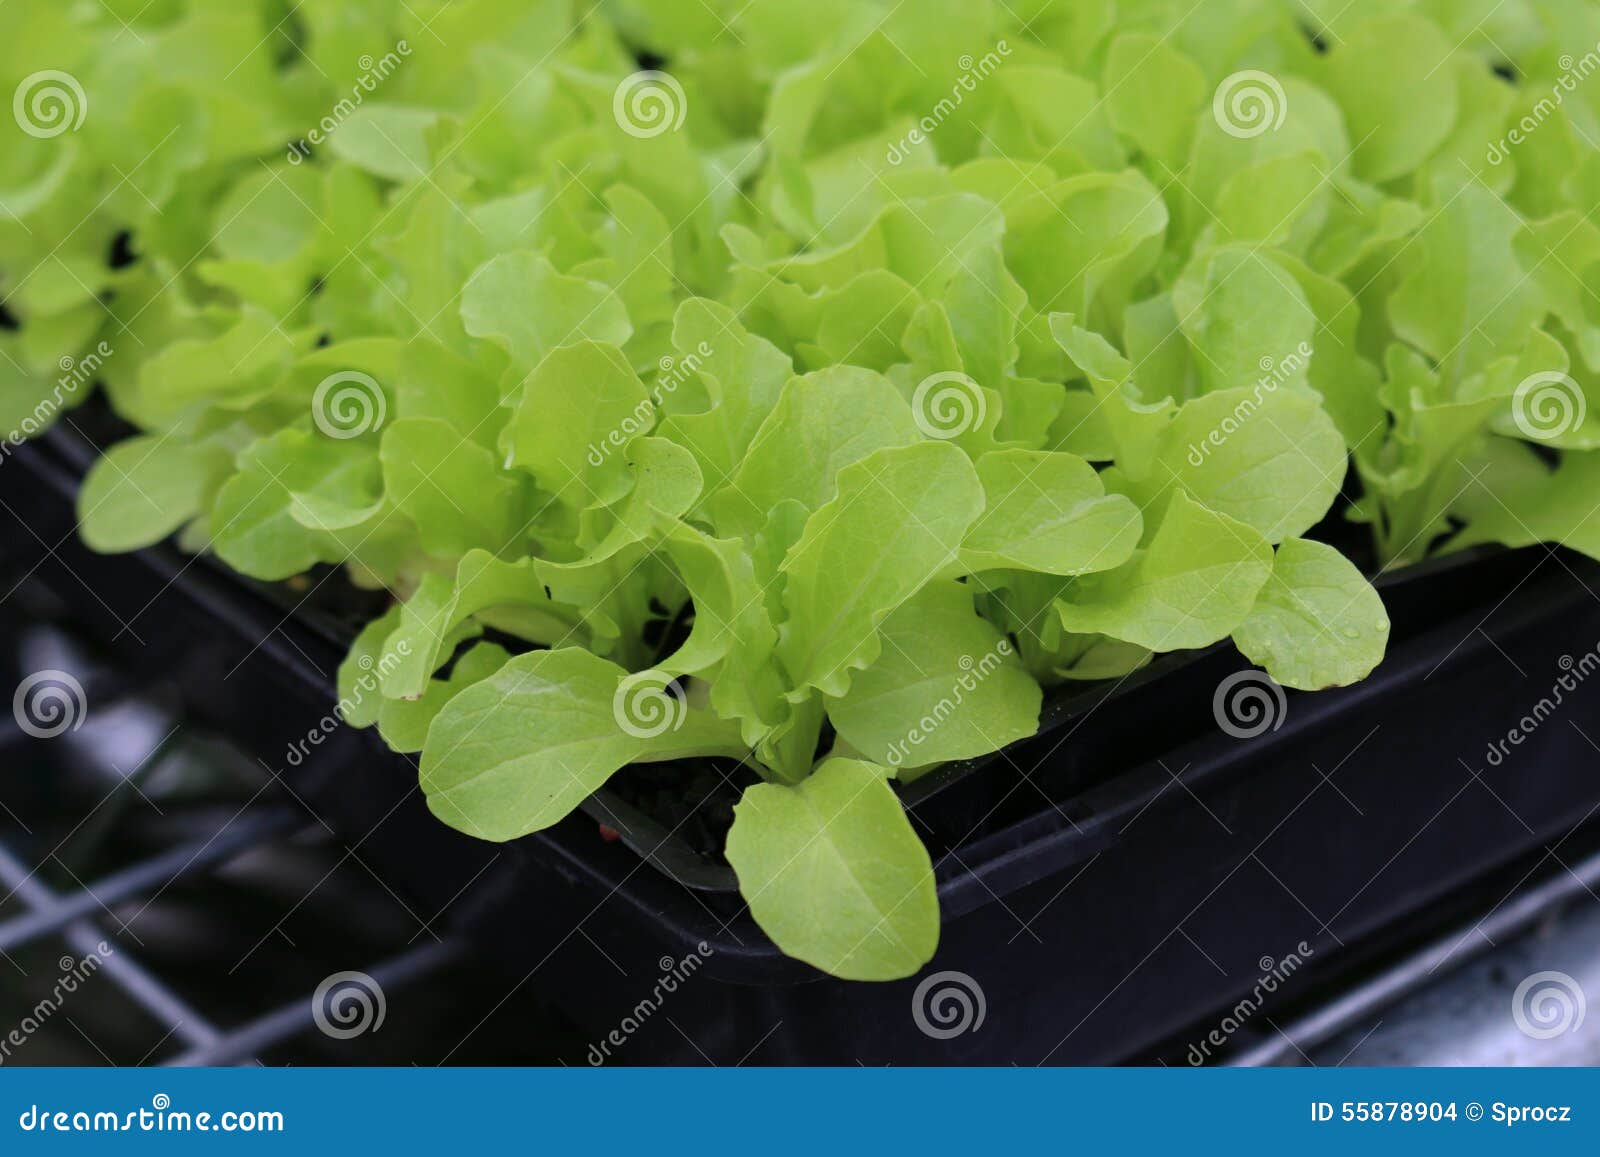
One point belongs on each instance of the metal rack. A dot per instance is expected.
(83, 919)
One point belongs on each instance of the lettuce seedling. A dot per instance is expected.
(824, 397)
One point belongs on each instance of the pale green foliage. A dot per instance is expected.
(913, 334)
(840, 834)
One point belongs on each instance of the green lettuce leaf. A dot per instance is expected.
(482, 777)
(949, 686)
(1194, 585)
(1317, 623)
(834, 873)
(897, 522)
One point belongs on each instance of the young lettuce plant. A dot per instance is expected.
(823, 404)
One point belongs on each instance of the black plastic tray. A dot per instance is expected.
(1108, 885)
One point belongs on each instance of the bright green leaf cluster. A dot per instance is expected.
(823, 397)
